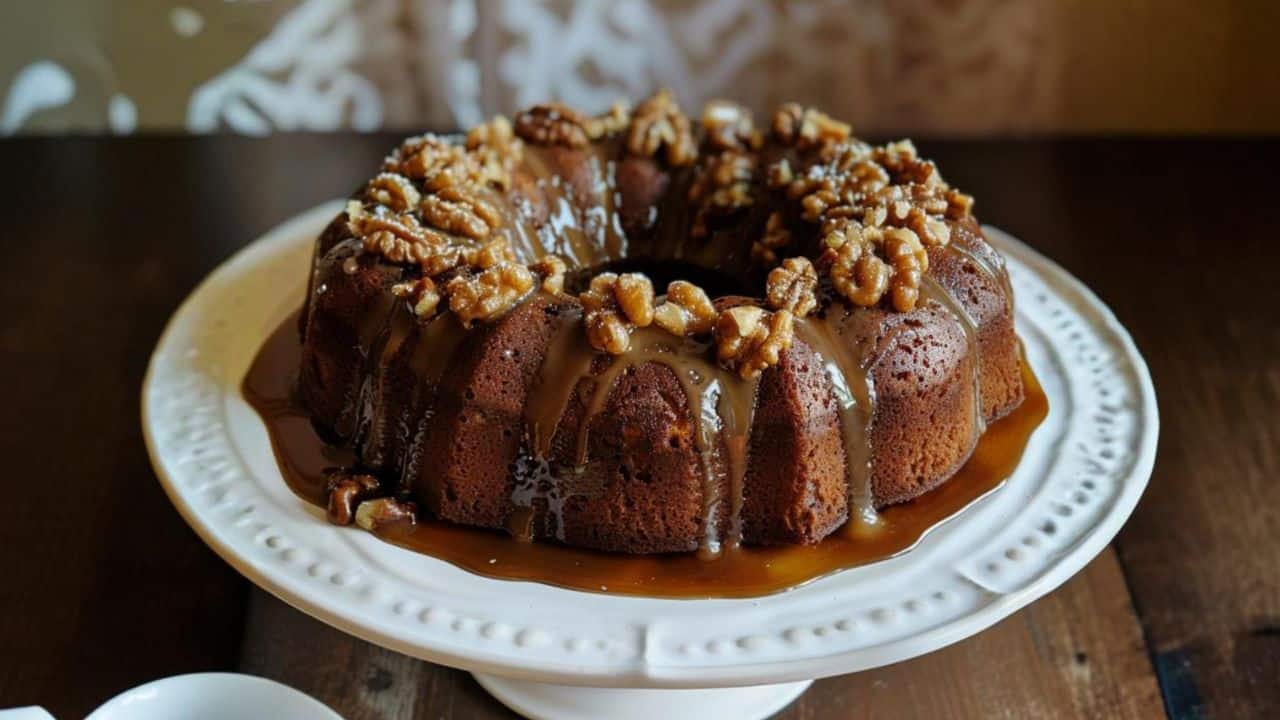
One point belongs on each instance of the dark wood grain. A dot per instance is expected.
(358, 680)
(1077, 653)
(1181, 240)
(104, 586)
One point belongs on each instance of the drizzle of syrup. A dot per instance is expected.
(733, 572)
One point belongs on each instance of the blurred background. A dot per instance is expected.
(937, 67)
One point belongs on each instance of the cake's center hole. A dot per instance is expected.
(662, 273)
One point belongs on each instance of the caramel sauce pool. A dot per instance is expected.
(737, 572)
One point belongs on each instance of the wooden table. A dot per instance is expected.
(105, 587)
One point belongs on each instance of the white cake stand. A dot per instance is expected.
(548, 652)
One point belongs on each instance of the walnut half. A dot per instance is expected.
(615, 119)
(750, 339)
(387, 516)
(792, 287)
(344, 491)
(436, 161)
(686, 310)
(553, 124)
(496, 148)
(855, 270)
(421, 294)
(461, 211)
(910, 260)
(657, 125)
(398, 238)
(613, 305)
(729, 126)
(552, 269)
(490, 293)
(806, 127)
(393, 190)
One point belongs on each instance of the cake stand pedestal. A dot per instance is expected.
(549, 652)
(547, 701)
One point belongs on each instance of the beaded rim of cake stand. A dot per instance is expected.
(1080, 479)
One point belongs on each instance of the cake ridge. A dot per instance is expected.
(847, 368)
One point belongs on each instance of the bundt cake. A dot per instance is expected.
(484, 328)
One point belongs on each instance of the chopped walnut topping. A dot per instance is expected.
(776, 236)
(816, 203)
(497, 134)
(607, 331)
(903, 175)
(558, 124)
(657, 125)
(903, 161)
(460, 211)
(552, 269)
(362, 222)
(493, 252)
(389, 245)
(749, 339)
(866, 262)
(855, 164)
(553, 124)
(919, 208)
(440, 258)
(729, 168)
(838, 189)
(401, 239)
(488, 294)
(729, 126)
(431, 250)
(837, 232)
(855, 270)
(387, 516)
(806, 127)
(436, 161)
(786, 122)
(394, 191)
(909, 260)
(615, 120)
(792, 285)
(959, 205)
(634, 293)
(614, 304)
(722, 188)
(867, 193)
(421, 294)
(780, 174)
(930, 230)
(397, 238)
(879, 210)
(686, 310)
(344, 491)
(497, 148)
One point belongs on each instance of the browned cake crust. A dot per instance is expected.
(637, 457)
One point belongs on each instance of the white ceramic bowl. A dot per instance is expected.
(213, 696)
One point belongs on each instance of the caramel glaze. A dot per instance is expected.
(577, 219)
(847, 358)
(584, 217)
(736, 571)
(719, 403)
